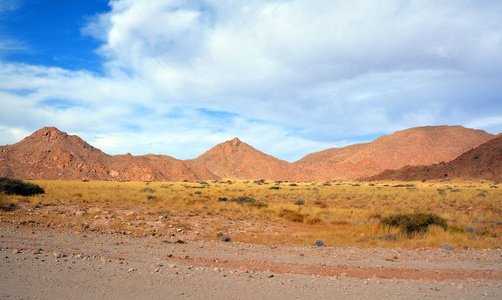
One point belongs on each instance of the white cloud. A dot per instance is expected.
(287, 77)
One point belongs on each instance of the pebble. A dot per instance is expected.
(447, 246)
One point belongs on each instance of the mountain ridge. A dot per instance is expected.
(49, 153)
(482, 162)
(414, 146)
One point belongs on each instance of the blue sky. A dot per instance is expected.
(287, 77)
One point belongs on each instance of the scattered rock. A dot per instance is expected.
(80, 213)
(131, 214)
(131, 270)
(470, 230)
(447, 246)
(57, 254)
(16, 251)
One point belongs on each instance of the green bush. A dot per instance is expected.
(17, 187)
(414, 223)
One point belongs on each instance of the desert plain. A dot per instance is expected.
(250, 239)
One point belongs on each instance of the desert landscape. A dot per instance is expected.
(237, 223)
(206, 149)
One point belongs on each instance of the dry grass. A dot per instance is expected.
(338, 213)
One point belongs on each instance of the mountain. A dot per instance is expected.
(237, 160)
(482, 162)
(52, 154)
(415, 146)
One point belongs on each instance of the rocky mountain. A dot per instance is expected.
(237, 160)
(51, 154)
(482, 162)
(415, 146)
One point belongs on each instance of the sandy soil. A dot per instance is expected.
(49, 264)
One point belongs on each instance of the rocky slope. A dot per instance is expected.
(482, 162)
(51, 154)
(415, 146)
(237, 160)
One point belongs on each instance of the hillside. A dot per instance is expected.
(482, 162)
(52, 154)
(415, 146)
(237, 160)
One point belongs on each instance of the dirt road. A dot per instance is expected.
(49, 264)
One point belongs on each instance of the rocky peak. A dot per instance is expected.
(235, 142)
(49, 134)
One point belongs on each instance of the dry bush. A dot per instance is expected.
(312, 221)
(292, 216)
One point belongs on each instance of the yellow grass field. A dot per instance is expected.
(338, 213)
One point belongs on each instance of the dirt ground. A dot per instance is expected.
(51, 264)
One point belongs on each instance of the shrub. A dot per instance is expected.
(222, 199)
(226, 238)
(17, 187)
(244, 200)
(299, 202)
(149, 190)
(274, 188)
(250, 201)
(414, 223)
(320, 243)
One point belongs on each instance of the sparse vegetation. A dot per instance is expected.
(339, 215)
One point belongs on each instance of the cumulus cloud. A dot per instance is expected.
(288, 77)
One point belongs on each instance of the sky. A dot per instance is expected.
(288, 77)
